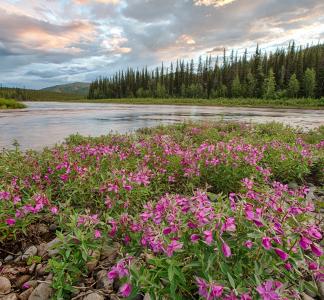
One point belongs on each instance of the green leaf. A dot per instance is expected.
(231, 280)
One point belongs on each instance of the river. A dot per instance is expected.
(46, 123)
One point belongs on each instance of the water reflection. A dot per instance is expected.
(47, 123)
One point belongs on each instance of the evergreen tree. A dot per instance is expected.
(293, 86)
(236, 88)
(269, 88)
(309, 82)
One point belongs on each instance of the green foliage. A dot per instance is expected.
(236, 87)
(10, 104)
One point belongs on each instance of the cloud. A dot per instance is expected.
(114, 2)
(215, 3)
(44, 42)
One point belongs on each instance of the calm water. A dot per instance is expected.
(47, 123)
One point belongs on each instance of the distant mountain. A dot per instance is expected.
(76, 88)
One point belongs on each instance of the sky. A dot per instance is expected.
(49, 42)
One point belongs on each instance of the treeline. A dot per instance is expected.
(287, 72)
(20, 94)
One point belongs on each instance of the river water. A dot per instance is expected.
(46, 123)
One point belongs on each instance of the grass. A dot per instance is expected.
(243, 102)
(10, 104)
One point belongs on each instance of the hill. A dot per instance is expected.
(76, 88)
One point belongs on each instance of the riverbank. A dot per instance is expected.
(227, 102)
(171, 210)
(10, 104)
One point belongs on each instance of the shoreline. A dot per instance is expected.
(198, 102)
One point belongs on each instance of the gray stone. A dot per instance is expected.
(93, 296)
(5, 285)
(8, 258)
(42, 292)
(31, 251)
(147, 296)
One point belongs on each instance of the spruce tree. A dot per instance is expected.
(269, 88)
(309, 82)
(293, 86)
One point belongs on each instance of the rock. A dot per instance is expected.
(32, 283)
(31, 269)
(8, 258)
(91, 265)
(320, 286)
(21, 280)
(110, 252)
(25, 295)
(94, 296)
(52, 227)
(103, 281)
(42, 249)
(18, 258)
(42, 292)
(12, 296)
(5, 285)
(306, 297)
(52, 244)
(31, 251)
(41, 270)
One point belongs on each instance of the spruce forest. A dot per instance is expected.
(292, 72)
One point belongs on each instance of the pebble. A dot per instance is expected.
(8, 258)
(5, 285)
(12, 296)
(42, 292)
(147, 296)
(21, 280)
(31, 251)
(32, 283)
(31, 269)
(25, 295)
(52, 227)
(93, 296)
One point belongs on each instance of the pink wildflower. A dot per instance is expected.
(226, 250)
(266, 243)
(317, 250)
(248, 244)
(11, 222)
(172, 247)
(125, 290)
(97, 234)
(208, 237)
(267, 291)
(282, 254)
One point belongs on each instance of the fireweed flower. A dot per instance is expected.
(266, 243)
(248, 244)
(268, 290)
(316, 249)
(194, 238)
(208, 237)
(54, 210)
(125, 290)
(11, 222)
(282, 254)
(226, 250)
(304, 243)
(172, 247)
(97, 234)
